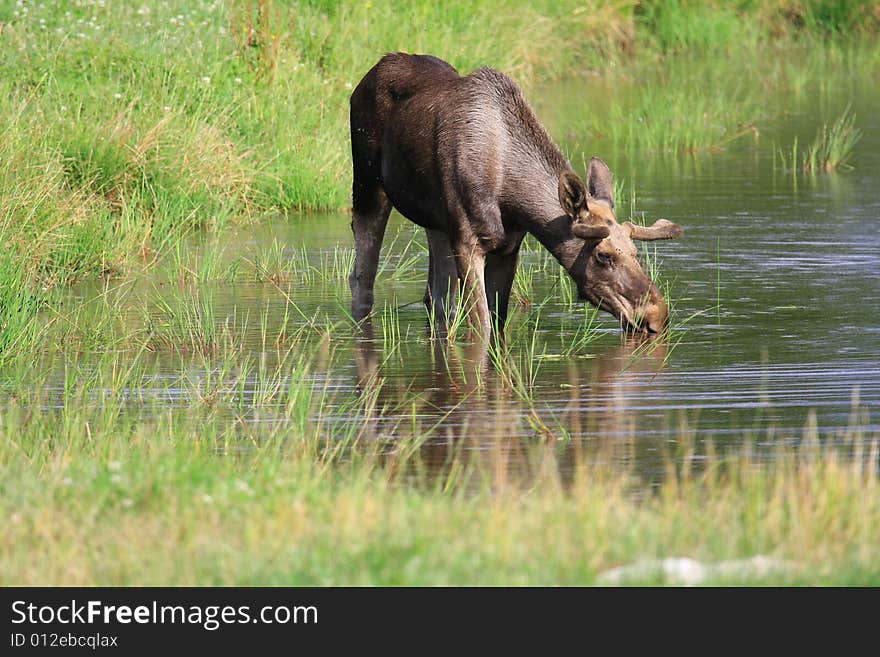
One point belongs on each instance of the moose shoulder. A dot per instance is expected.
(465, 158)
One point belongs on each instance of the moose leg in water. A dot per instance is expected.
(368, 224)
(441, 295)
(471, 262)
(370, 207)
(467, 217)
(500, 272)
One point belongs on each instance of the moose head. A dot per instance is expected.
(608, 273)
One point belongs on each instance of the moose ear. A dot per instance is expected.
(572, 194)
(599, 181)
(663, 229)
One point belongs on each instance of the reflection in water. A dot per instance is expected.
(467, 407)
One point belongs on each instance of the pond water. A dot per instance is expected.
(775, 287)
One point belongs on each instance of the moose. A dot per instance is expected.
(465, 158)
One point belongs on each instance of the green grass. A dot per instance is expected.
(833, 144)
(666, 120)
(724, 25)
(127, 127)
(829, 151)
(113, 499)
(19, 305)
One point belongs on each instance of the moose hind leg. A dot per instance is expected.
(441, 294)
(368, 222)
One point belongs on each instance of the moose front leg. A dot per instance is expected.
(500, 272)
(442, 289)
(471, 263)
(475, 229)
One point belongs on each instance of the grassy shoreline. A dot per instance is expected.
(124, 127)
(152, 503)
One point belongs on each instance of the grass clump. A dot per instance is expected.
(670, 122)
(831, 18)
(829, 151)
(833, 144)
(19, 306)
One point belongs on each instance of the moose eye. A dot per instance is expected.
(603, 258)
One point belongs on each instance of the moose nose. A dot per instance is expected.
(654, 313)
(655, 318)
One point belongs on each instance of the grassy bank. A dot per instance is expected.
(101, 501)
(124, 126)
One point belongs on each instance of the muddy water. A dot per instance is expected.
(775, 286)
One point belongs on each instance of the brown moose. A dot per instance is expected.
(465, 158)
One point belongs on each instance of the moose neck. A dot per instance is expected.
(532, 192)
(546, 220)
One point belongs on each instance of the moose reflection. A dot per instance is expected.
(463, 414)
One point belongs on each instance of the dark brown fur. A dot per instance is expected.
(465, 158)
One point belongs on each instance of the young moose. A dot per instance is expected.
(465, 158)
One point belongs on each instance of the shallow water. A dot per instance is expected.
(793, 260)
